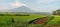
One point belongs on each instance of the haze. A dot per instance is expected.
(36, 5)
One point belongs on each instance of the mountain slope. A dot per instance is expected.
(21, 9)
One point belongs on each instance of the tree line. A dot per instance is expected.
(56, 12)
(14, 15)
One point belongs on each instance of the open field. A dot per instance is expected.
(55, 21)
(21, 21)
(6, 20)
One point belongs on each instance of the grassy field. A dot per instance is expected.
(21, 21)
(55, 21)
(5, 21)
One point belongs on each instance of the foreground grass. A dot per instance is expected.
(21, 21)
(5, 21)
(55, 21)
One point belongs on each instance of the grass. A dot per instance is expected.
(5, 21)
(55, 21)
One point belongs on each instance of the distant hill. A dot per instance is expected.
(25, 10)
(43, 13)
(21, 9)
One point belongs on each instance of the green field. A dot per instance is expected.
(55, 21)
(5, 21)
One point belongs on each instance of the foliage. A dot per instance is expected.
(22, 21)
(57, 12)
(55, 21)
(18, 20)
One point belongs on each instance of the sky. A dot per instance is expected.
(36, 5)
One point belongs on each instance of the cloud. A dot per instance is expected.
(17, 4)
(45, 5)
(11, 5)
(46, 1)
(46, 9)
(3, 7)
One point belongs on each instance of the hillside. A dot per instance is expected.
(21, 9)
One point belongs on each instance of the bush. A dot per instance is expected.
(2, 14)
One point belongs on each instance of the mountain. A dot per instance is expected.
(21, 9)
(25, 10)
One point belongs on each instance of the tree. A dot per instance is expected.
(54, 13)
(58, 11)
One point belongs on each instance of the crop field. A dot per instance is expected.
(22, 21)
(5, 21)
(55, 21)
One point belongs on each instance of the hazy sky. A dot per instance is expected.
(37, 5)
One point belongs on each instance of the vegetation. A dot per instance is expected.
(15, 20)
(57, 12)
(8, 21)
(13, 15)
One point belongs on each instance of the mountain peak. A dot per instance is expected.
(21, 9)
